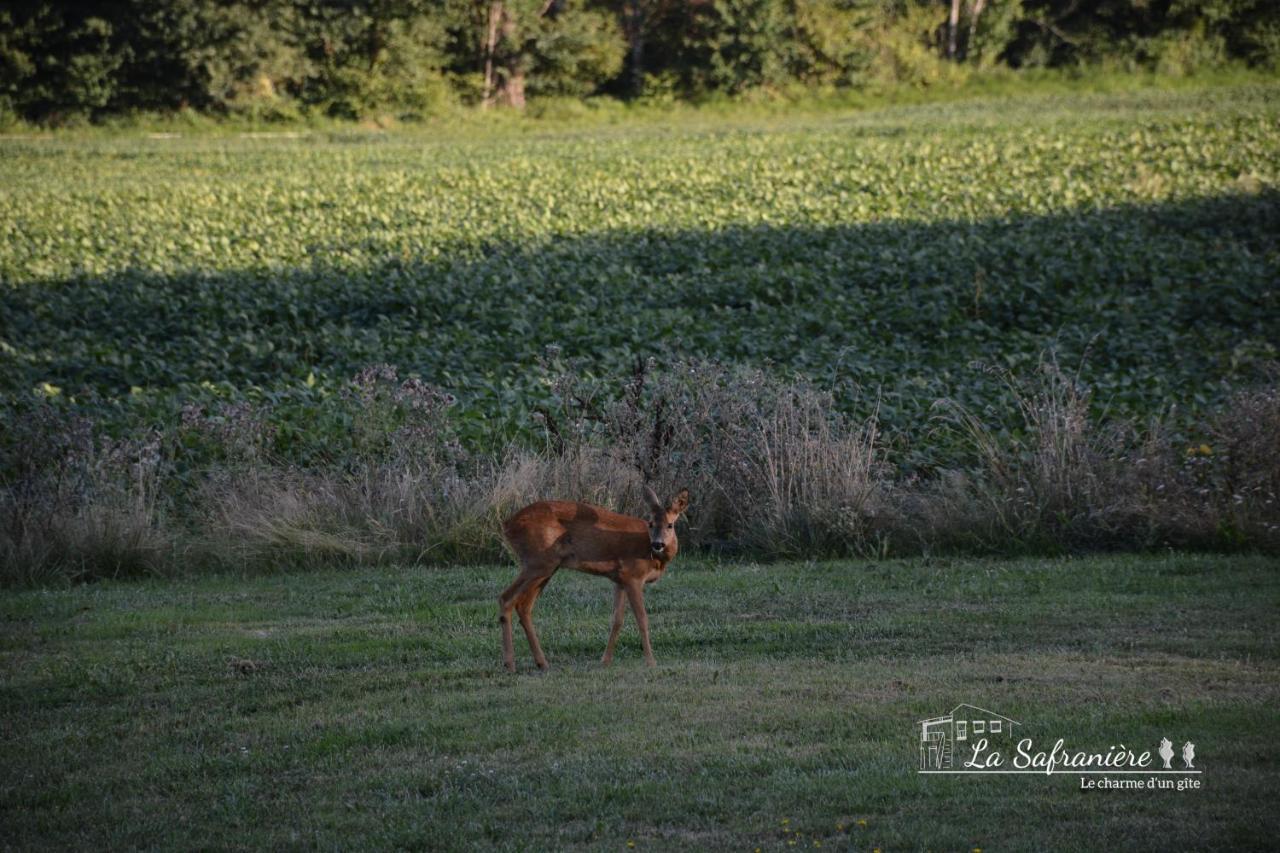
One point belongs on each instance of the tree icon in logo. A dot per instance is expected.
(1166, 751)
(1188, 754)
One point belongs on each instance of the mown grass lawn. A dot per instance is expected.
(368, 709)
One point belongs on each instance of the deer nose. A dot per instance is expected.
(658, 547)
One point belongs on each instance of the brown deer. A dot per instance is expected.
(629, 551)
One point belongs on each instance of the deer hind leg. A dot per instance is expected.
(506, 606)
(619, 614)
(533, 576)
(635, 592)
(506, 603)
(524, 607)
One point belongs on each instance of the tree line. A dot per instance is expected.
(354, 58)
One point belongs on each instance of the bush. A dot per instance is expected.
(77, 506)
(1221, 488)
(1053, 484)
(774, 470)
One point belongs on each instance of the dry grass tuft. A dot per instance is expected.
(774, 467)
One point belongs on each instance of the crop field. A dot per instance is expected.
(337, 709)
(888, 254)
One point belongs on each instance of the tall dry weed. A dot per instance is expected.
(76, 505)
(775, 468)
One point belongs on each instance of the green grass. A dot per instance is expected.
(887, 249)
(369, 709)
(547, 115)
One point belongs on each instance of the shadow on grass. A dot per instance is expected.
(1170, 300)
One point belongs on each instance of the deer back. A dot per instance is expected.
(576, 533)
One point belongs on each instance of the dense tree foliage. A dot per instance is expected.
(63, 60)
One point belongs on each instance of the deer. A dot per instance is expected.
(547, 536)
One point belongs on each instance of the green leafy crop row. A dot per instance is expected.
(882, 253)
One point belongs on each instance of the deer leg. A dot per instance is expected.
(524, 607)
(507, 604)
(619, 614)
(635, 592)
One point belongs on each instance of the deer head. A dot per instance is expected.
(662, 522)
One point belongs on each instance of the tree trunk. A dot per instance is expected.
(504, 60)
(511, 69)
(635, 38)
(953, 25)
(511, 89)
(974, 11)
(490, 45)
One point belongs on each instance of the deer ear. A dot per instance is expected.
(651, 498)
(680, 502)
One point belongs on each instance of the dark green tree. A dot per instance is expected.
(57, 62)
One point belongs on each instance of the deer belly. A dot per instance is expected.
(608, 568)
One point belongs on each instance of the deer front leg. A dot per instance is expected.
(635, 592)
(619, 614)
(524, 607)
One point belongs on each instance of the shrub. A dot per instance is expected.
(1054, 482)
(1221, 488)
(77, 506)
(775, 471)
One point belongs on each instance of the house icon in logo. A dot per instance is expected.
(942, 737)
